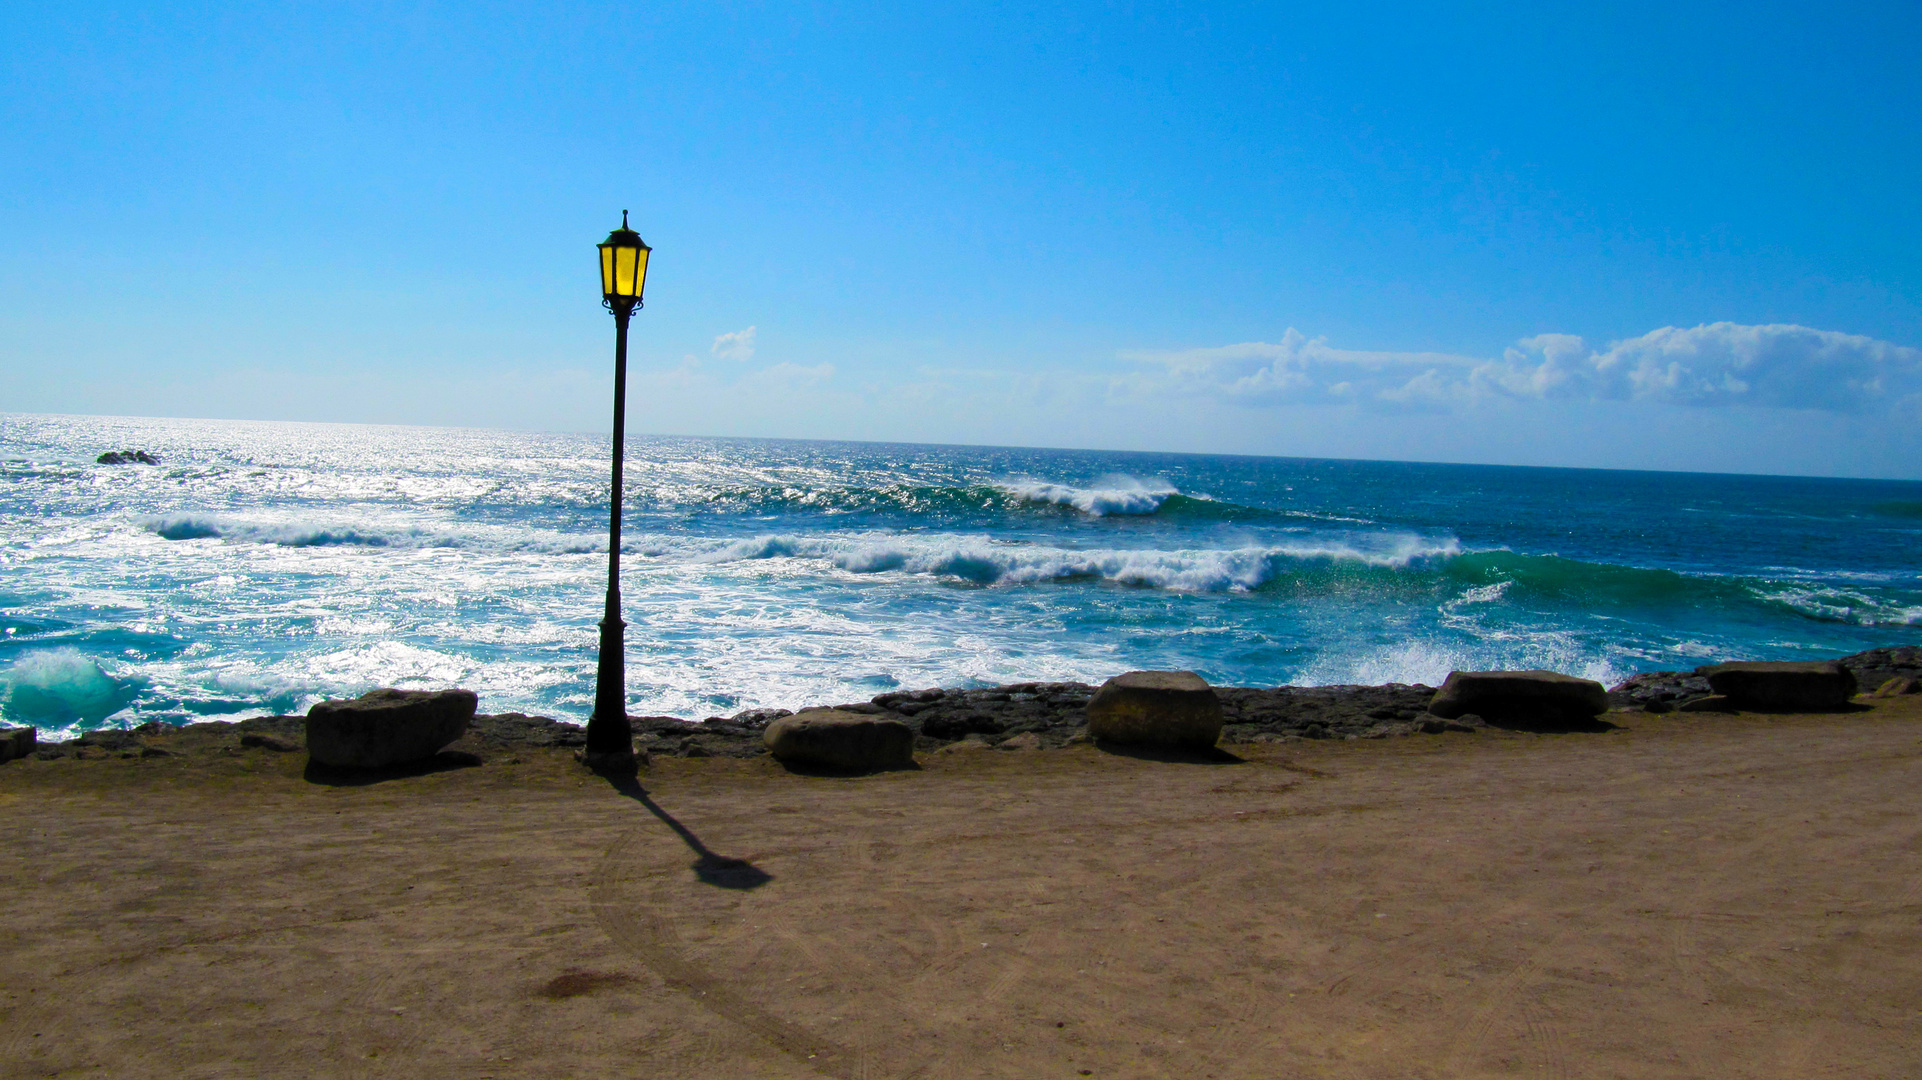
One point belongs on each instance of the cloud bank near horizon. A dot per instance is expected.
(1781, 366)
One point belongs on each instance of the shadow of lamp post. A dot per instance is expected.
(610, 743)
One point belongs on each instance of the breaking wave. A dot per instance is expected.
(63, 687)
(1110, 495)
(1113, 496)
(297, 535)
(1387, 567)
(984, 562)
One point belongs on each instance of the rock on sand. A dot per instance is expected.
(1156, 708)
(1816, 686)
(835, 739)
(387, 727)
(1525, 696)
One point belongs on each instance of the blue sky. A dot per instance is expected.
(1662, 236)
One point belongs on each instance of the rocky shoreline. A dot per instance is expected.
(1012, 717)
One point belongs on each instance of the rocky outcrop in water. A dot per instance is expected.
(126, 457)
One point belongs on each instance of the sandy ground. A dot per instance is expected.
(1685, 897)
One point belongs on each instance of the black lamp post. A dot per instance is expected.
(623, 276)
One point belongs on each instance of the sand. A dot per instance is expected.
(1688, 896)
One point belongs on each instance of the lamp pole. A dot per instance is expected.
(610, 743)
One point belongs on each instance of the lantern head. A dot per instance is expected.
(623, 268)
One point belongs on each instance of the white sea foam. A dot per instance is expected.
(1835, 604)
(1108, 495)
(986, 562)
(1429, 660)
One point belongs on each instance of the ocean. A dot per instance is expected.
(260, 567)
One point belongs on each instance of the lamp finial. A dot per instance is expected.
(623, 219)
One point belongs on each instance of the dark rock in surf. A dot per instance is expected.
(755, 719)
(126, 457)
(1816, 686)
(1173, 709)
(841, 740)
(1520, 697)
(387, 727)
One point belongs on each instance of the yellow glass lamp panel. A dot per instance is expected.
(630, 271)
(607, 270)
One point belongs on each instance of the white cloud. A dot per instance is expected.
(1777, 366)
(738, 345)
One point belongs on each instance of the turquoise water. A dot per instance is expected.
(262, 567)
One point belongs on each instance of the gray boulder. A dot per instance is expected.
(837, 739)
(387, 727)
(1524, 697)
(1174, 709)
(17, 742)
(1812, 686)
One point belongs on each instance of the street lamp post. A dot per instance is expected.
(610, 744)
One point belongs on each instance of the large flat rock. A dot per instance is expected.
(839, 740)
(1173, 709)
(1530, 697)
(1793, 686)
(387, 727)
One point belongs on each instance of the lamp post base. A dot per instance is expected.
(612, 762)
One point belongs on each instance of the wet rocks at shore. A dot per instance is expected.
(1037, 715)
(1876, 667)
(1016, 716)
(1658, 691)
(1690, 691)
(155, 739)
